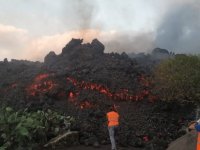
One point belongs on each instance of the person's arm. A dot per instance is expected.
(191, 125)
(107, 119)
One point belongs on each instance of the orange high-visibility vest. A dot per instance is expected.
(113, 118)
(198, 141)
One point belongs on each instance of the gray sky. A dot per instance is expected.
(29, 29)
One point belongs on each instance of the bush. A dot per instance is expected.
(28, 130)
(178, 79)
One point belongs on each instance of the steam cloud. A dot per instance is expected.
(180, 29)
(177, 28)
(80, 15)
(129, 42)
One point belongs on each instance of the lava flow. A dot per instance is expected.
(40, 85)
(121, 95)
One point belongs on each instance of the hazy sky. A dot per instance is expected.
(29, 29)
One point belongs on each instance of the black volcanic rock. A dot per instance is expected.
(71, 45)
(75, 46)
(5, 60)
(160, 50)
(148, 61)
(89, 62)
(50, 58)
(89, 73)
(98, 46)
(160, 54)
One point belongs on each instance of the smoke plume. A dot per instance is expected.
(179, 30)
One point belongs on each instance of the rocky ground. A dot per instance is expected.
(83, 82)
(107, 147)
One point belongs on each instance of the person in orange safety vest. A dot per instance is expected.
(197, 127)
(113, 123)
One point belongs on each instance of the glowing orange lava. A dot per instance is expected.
(86, 105)
(120, 95)
(40, 85)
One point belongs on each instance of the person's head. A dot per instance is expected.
(112, 108)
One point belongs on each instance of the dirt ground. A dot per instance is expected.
(186, 142)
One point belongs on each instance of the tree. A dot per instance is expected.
(178, 79)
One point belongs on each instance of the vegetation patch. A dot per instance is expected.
(27, 130)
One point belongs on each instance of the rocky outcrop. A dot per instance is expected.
(71, 45)
(95, 47)
(50, 58)
(160, 50)
(98, 46)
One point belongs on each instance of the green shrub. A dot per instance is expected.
(178, 79)
(23, 129)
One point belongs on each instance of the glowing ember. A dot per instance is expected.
(71, 95)
(40, 85)
(86, 105)
(41, 77)
(14, 85)
(143, 81)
